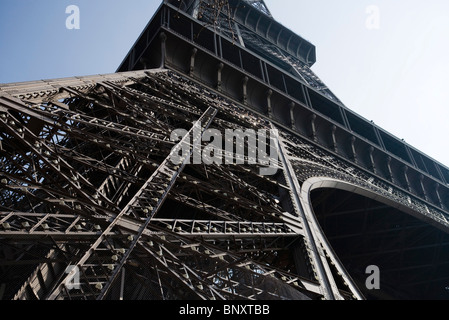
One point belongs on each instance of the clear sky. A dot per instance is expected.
(385, 59)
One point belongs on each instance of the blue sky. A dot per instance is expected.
(35, 43)
(396, 75)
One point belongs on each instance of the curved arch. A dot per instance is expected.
(307, 187)
(355, 240)
(325, 182)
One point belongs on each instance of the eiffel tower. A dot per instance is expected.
(93, 206)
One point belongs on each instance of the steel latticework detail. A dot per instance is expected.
(80, 197)
(92, 205)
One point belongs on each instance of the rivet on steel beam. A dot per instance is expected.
(25, 224)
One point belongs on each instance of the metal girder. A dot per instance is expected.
(148, 200)
(327, 283)
(226, 229)
(242, 218)
(87, 181)
(26, 226)
(44, 89)
(105, 208)
(31, 226)
(310, 161)
(218, 276)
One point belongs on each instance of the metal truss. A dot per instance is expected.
(309, 162)
(220, 18)
(94, 207)
(260, 5)
(88, 187)
(298, 68)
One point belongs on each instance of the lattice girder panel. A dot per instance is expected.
(146, 203)
(94, 168)
(212, 272)
(310, 162)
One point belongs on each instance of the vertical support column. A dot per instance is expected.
(219, 71)
(371, 159)
(122, 284)
(313, 127)
(437, 192)
(269, 107)
(245, 89)
(144, 63)
(292, 115)
(407, 182)
(192, 61)
(421, 183)
(390, 172)
(334, 138)
(353, 151)
(163, 38)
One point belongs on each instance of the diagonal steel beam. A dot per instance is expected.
(146, 201)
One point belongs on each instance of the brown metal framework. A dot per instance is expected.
(87, 182)
(93, 207)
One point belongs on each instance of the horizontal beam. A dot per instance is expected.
(220, 229)
(36, 90)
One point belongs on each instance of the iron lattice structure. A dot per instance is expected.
(89, 191)
(96, 190)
